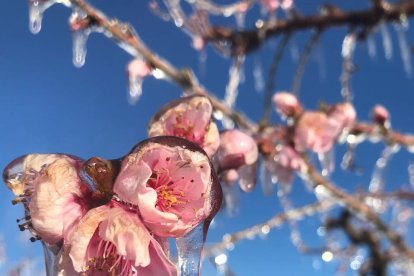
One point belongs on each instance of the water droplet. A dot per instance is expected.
(220, 259)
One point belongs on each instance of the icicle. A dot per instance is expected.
(327, 161)
(377, 182)
(386, 41)
(287, 205)
(411, 175)
(231, 194)
(372, 48)
(348, 48)
(51, 253)
(405, 51)
(259, 82)
(265, 179)
(234, 81)
(80, 26)
(189, 250)
(79, 37)
(240, 19)
(137, 70)
(247, 179)
(36, 11)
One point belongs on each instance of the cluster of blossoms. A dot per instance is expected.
(115, 216)
(316, 131)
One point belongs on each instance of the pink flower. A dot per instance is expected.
(172, 183)
(287, 104)
(114, 241)
(238, 151)
(380, 114)
(343, 115)
(188, 118)
(315, 131)
(54, 195)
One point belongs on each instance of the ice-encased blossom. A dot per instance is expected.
(286, 104)
(238, 151)
(53, 192)
(110, 239)
(284, 164)
(189, 118)
(172, 183)
(343, 115)
(315, 131)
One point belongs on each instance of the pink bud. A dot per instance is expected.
(286, 104)
(236, 149)
(380, 114)
(138, 68)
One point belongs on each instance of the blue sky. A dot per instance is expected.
(47, 105)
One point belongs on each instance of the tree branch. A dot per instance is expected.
(246, 41)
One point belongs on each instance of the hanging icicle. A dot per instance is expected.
(259, 83)
(327, 161)
(235, 77)
(372, 48)
(137, 70)
(377, 182)
(348, 48)
(36, 10)
(386, 41)
(81, 28)
(405, 51)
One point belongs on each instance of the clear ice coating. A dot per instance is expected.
(372, 48)
(265, 179)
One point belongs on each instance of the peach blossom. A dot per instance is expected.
(188, 118)
(114, 240)
(170, 180)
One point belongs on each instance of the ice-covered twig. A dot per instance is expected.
(250, 40)
(297, 80)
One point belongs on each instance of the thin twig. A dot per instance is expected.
(300, 69)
